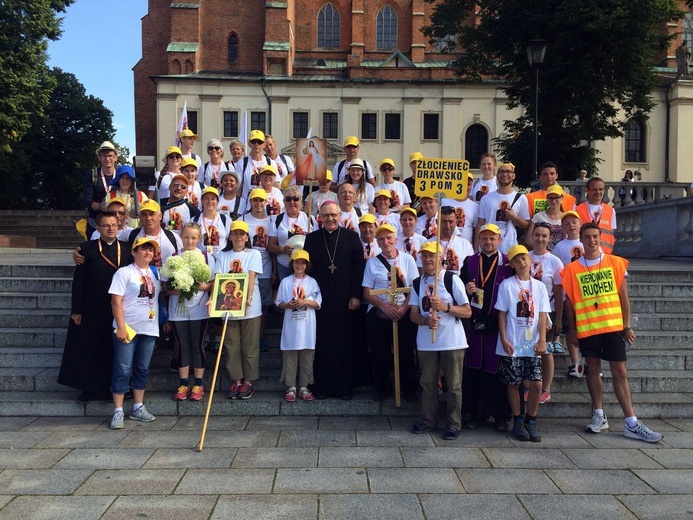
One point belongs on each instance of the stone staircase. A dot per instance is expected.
(54, 229)
(34, 309)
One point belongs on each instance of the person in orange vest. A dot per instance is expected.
(598, 318)
(537, 201)
(594, 210)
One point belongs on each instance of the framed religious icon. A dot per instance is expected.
(311, 165)
(230, 294)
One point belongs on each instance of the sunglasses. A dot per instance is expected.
(174, 156)
(386, 169)
(256, 141)
(215, 148)
(177, 185)
(292, 199)
(542, 225)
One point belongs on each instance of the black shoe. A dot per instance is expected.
(420, 427)
(500, 425)
(85, 397)
(451, 434)
(347, 397)
(128, 395)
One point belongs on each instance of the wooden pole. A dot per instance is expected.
(435, 285)
(395, 340)
(214, 383)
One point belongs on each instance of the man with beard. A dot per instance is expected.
(483, 394)
(88, 356)
(338, 266)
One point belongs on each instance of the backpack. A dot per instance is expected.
(447, 282)
(169, 234)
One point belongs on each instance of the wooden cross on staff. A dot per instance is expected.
(392, 292)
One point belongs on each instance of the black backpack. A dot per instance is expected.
(447, 282)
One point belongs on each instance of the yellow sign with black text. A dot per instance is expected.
(446, 176)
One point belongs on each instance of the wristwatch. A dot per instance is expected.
(449, 307)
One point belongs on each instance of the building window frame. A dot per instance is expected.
(258, 120)
(228, 123)
(328, 27)
(386, 29)
(232, 48)
(389, 119)
(475, 146)
(635, 141)
(368, 125)
(302, 132)
(426, 127)
(331, 130)
(193, 121)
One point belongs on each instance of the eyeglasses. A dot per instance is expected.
(121, 213)
(292, 199)
(330, 215)
(256, 141)
(542, 225)
(386, 169)
(174, 156)
(351, 147)
(215, 148)
(177, 185)
(555, 198)
(505, 171)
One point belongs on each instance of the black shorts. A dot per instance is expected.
(609, 346)
(513, 370)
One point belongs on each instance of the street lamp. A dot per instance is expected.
(535, 55)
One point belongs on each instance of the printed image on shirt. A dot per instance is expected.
(451, 261)
(156, 261)
(146, 287)
(431, 228)
(395, 200)
(192, 198)
(483, 190)
(236, 266)
(500, 213)
(295, 229)
(525, 308)
(410, 247)
(426, 300)
(461, 218)
(346, 223)
(536, 270)
(260, 238)
(400, 277)
(575, 253)
(368, 251)
(212, 236)
(300, 293)
(175, 220)
(273, 206)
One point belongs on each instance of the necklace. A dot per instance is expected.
(332, 256)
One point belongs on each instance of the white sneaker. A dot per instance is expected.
(117, 421)
(141, 414)
(597, 424)
(641, 433)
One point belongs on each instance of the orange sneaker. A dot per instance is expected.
(197, 393)
(182, 393)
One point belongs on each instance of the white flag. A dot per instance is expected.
(243, 137)
(182, 123)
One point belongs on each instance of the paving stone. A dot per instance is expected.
(510, 481)
(615, 439)
(131, 482)
(611, 459)
(354, 423)
(375, 457)
(4, 499)
(87, 439)
(520, 458)
(444, 458)
(676, 440)
(552, 439)
(215, 422)
(664, 507)
(321, 480)
(270, 507)
(391, 438)
(360, 405)
(551, 507)
(672, 458)
(57, 508)
(121, 458)
(25, 458)
(65, 424)
(161, 507)
(226, 482)
(671, 481)
(191, 458)
(282, 423)
(484, 438)
(42, 481)
(414, 480)
(382, 507)
(242, 439)
(276, 458)
(319, 438)
(480, 507)
(13, 424)
(598, 482)
(21, 440)
(685, 425)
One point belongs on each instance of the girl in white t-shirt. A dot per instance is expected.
(190, 322)
(242, 339)
(299, 296)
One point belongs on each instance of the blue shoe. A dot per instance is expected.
(520, 433)
(557, 348)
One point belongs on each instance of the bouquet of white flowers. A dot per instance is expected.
(185, 273)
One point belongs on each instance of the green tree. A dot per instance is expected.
(597, 74)
(47, 166)
(25, 85)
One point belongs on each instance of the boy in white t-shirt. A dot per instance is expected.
(523, 306)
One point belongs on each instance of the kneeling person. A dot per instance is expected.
(447, 353)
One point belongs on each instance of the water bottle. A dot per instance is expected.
(526, 349)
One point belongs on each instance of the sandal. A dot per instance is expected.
(305, 394)
(290, 396)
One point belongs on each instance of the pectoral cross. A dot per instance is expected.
(392, 293)
(332, 268)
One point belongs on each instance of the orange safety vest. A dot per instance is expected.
(593, 292)
(537, 202)
(608, 239)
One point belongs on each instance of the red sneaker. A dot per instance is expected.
(182, 393)
(197, 393)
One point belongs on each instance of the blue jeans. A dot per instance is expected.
(131, 358)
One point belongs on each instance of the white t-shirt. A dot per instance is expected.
(373, 251)
(595, 211)
(226, 206)
(412, 245)
(428, 227)
(289, 227)
(391, 218)
(491, 210)
(242, 262)
(556, 232)
(467, 212)
(250, 177)
(196, 307)
(164, 187)
(450, 332)
(298, 329)
(275, 202)
(481, 187)
(376, 276)
(362, 201)
(194, 195)
(140, 290)
(568, 250)
(523, 301)
(547, 269)
(350, 220)
(176, 217)
(210, 175)
(166, 248)
(215, 233)
(284, 166)
(454, 251)
(260, 231)
(399, 192)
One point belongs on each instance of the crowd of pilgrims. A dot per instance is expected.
(457, 334)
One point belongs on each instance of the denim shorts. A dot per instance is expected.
(131, 363)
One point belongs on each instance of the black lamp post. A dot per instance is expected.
(535, 55)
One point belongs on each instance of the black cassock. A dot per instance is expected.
(334, 349)
(88, 356)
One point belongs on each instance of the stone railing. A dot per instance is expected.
(621, 194)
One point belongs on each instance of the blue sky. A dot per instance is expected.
(100, 44)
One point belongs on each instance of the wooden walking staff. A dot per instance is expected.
(435, 285)
(392, 292)
(214, 383)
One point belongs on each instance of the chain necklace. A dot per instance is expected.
(332, 256)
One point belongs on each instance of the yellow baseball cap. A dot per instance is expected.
(385, 227)
(186, 132)
(300, 254)
(490, 227)
(150, 205)
(188, 162)
(268, 169)
(257, 135)
(239, 225)
(257, 193)
(428, 247)
(383, 193)
(517, 250)
(387, 160)
(351, 140)
(173, 149)
(554, 190)
(145, 240)
(415, 156)
(408, 210)
(118, 200)
(570, 214)
(368, 218)
(180, 176)
(328, 175)
(210, 189)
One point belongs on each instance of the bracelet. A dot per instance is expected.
(626, 329)
(449, 307)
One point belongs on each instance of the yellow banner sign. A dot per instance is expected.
(446, 176)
